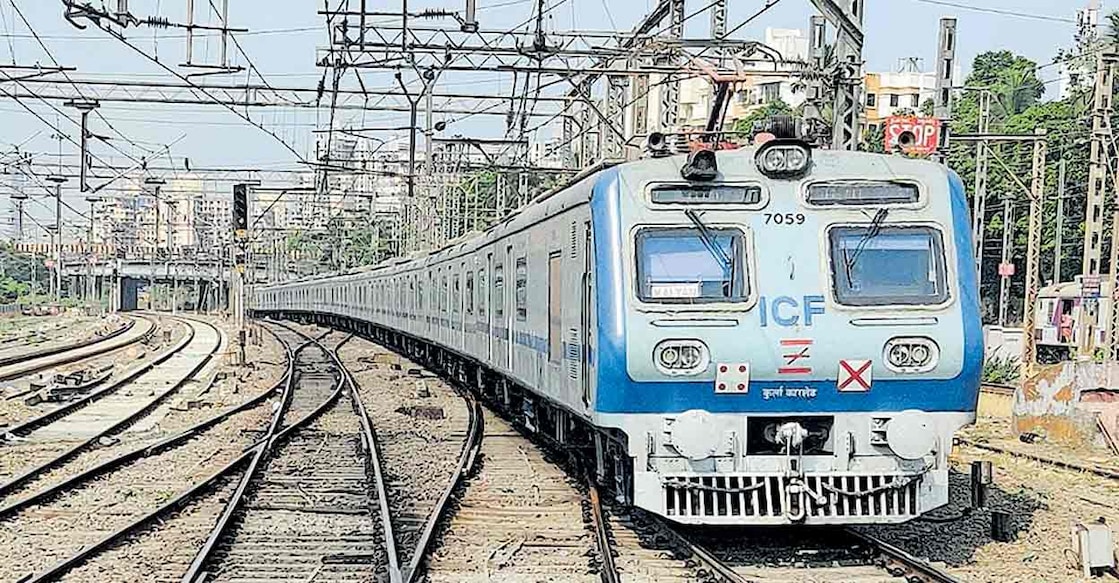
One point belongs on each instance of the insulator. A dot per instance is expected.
(158, 21)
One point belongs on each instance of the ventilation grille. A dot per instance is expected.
(573, 353)
(763, 496)
(574, 247)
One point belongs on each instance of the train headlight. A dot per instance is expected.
(783, 158)
(681, 357)
(911, 354)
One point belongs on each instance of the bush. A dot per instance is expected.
(1003, 370)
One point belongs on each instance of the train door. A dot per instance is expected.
(487, 322)
(509, 336)
(586, 304)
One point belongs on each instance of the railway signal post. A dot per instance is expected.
(237, 279)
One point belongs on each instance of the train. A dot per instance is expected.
(771, 335)
(1057, 327)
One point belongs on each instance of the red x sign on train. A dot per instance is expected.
(854, 376)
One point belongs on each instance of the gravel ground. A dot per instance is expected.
(19, 333)
(39, 537)
(123, 495)
(45, 443)
(162, 553)
(15, 410)
(1044, 503)
(420, 437)
(520, 520)
(197, 402)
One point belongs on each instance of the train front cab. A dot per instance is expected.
(776, 353)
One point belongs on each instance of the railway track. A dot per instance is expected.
(137, 329)
(652, 550)
(311, 470)
(53, 439)
(303, 510)
(520, 518)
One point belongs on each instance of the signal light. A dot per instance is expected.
(240, 208)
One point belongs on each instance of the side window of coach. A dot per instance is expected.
(499, 291)
(522, 289)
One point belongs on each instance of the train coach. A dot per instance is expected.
(772, 335)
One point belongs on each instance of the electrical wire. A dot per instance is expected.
(998, 11)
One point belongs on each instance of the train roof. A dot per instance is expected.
(1071, 289)
(826, 163)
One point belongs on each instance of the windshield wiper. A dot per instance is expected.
(875, 228)
(713, 248)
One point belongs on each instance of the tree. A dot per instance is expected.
(1017, 107)
(760, 114)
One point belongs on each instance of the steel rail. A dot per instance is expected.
(609, 569)
(370, 438)
(717, 566)
(77, 357)
(471, 446)
(21, 479)
(196, 571)
(917, 570)
(53, 415)
(167, 444)
(1065, 465)
(65, 565)
(18, 358)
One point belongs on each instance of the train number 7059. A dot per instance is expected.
(784, 218)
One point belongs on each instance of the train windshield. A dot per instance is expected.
(888, 266)
(685, 265)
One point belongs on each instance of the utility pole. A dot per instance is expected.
(1006, 267)
(84, 106)
(1093, 215)
(157, 183)
(847, 17)
(945, 64)
(1033, 255)
(1060, 230)
(90, 284)
(19, 197)
(979, 204)
(56, 281)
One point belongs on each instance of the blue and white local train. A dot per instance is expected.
(771, 335)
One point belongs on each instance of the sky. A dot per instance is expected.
(283, 36)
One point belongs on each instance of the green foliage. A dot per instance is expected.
(928, 107)
(21, 276)
(874, 140)
(1003, 370)
(1017, 108)
(776, 107)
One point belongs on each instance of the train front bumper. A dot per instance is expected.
(707, 468)
(770, 498)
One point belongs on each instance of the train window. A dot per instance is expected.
(456, 299)
(469, 292)
(443, 296)
(499, 292)
(685, 266)
(522, 288)
(862, 192)
(895, 265)
(483, 294)
(706, 194)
